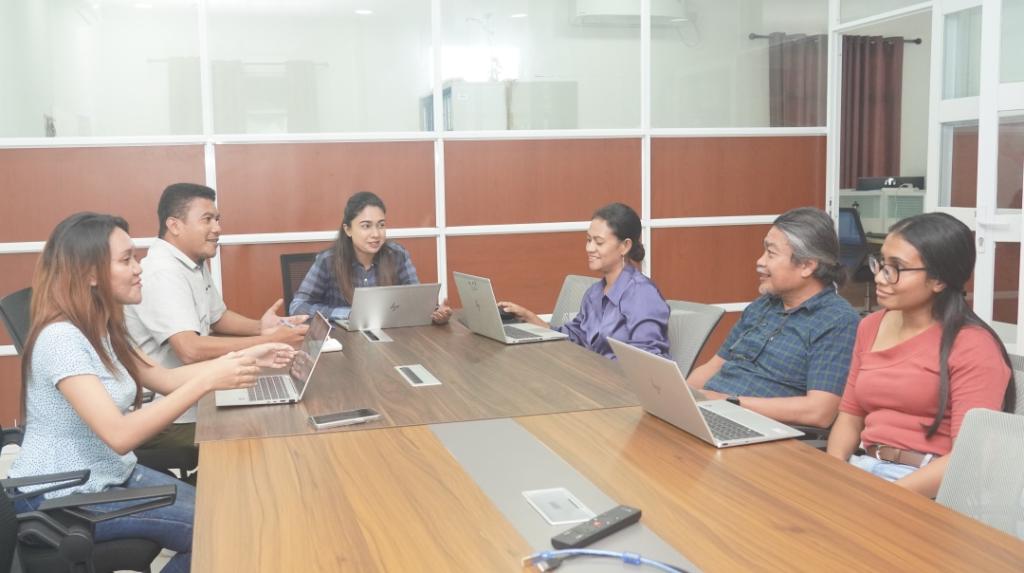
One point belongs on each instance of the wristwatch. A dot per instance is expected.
(733, 398)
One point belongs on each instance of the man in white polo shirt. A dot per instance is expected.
(180, 304)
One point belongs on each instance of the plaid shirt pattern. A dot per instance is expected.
(772, 352)
(319, 291)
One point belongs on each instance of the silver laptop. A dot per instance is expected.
(396, 306)
(284, 388)
(664, 393)
(481, 313)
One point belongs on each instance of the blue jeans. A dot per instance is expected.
(883, 469)
(170, 527)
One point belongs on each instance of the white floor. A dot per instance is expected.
(7, 458)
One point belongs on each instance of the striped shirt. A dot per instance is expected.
(772, 352)
(319, 291)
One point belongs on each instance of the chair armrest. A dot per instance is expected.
(11, 436)
(60, 481)
(76, 505)
(812, 432)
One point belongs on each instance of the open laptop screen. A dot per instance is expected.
(305, 358)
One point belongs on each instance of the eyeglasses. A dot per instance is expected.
(891, 273)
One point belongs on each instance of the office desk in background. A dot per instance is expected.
(396, 499)
(481, 379)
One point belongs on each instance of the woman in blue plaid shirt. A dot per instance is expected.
(360, 257)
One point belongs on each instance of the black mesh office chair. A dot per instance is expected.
(293, 269)
(14, 309)
(854, 251)
(58, 537)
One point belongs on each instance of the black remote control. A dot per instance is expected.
(597, 528)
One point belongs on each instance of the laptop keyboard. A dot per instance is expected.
(270, 388)
(518, 333)
(724, 429)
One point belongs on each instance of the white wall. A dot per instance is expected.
(916, 70)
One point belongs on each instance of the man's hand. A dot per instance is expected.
(286, 329)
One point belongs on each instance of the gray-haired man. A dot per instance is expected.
(789, 354)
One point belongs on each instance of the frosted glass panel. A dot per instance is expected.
(319, 66)
(540, 64)
(962, 59)
(739, 63)
(100, 68)
(856, 9)
(1012, 38)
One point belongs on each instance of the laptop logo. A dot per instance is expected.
(394, 306)
(655, 385)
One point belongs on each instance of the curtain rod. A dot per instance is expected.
(754, 36)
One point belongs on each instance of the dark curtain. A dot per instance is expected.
(871, 99)
(797, 79)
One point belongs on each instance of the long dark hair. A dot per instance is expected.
(625, 224)
(344, 253)
(79, 247)
(946, 246)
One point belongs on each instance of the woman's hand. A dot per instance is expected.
(270, 354)
(442, 313)
(231, 371)
(524, 314)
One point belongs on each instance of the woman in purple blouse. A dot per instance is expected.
(625, 304)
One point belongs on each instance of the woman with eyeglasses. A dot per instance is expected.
(921, 362)
(624, 304)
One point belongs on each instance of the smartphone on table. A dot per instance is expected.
(346, 418)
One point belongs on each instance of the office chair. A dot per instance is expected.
(567, 306)
(58, 537)
(985, 475)
(1018, 379)
(853, 251)
(293, 269)
(689, 326)
(14, 309)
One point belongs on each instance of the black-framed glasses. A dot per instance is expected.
(891, 273)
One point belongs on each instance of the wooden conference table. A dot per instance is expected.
(404, 499)
(480, 379)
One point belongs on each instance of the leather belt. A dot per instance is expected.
(898, 456)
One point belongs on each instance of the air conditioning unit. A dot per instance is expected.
(627, 12)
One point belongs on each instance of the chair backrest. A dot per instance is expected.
(1018, 380)
(985, 475)
(689, 326)
(8, 532)
(570, 298)
(851, 231)
(14, 310)
(293, 269)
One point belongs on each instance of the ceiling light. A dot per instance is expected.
(364, 12)
(519, 15)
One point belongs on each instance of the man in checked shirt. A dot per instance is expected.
(788, 356)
